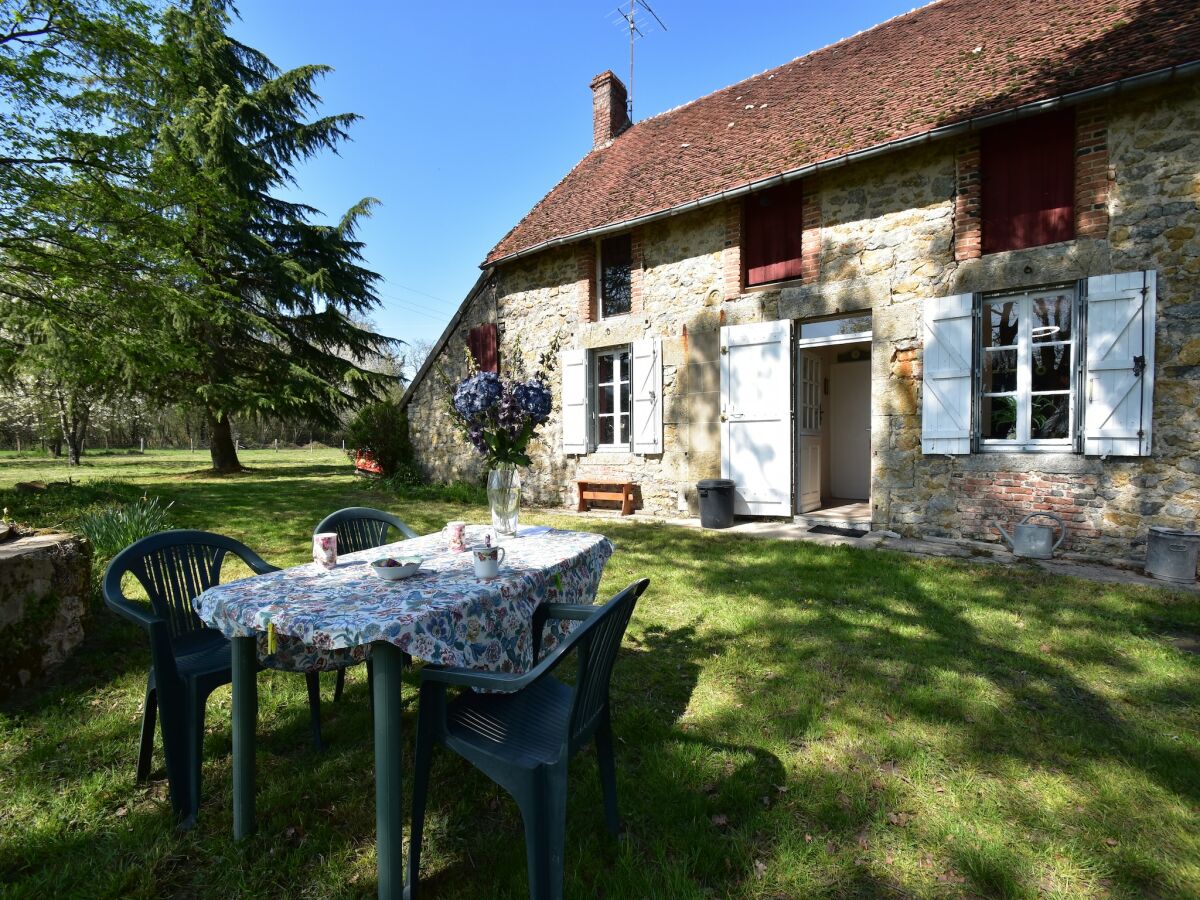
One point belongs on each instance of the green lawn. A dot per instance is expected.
(794, 721)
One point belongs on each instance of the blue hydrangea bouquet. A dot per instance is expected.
(499, 415)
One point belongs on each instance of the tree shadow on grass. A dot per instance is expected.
(658, 766)
(886, 636)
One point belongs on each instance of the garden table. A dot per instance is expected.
(442, 614)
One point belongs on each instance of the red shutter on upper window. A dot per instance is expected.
(772, 230)
(484, 346)
(1028, 182)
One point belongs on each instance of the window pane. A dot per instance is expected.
(1000, 322)
(604, 368)
(624, 397)
(999, 371)
(605, 430)
(1050, 417)
(623, 357)
(999, 418)
(1051, 319)
(616, 257)
(604, 400)
(1051, 367)
(625, 429)
(835, 327)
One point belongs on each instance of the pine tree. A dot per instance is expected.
(80, 272)
(266, 302)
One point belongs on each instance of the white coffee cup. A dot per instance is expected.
(487, 560)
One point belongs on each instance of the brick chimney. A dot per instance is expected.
(610, 112)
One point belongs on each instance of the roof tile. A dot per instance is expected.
(943, 63)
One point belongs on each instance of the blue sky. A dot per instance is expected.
(473, 110)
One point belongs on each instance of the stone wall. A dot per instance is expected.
(888, 236)
(44, 585)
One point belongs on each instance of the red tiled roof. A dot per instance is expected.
(943, 63)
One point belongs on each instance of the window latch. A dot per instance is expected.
(1139, 366)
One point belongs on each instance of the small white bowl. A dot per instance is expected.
(408, 566)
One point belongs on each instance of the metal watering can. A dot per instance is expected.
(1034, 541)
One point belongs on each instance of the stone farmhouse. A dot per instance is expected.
(942, 273)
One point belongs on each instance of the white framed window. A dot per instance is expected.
(1052, 369)
(614, 265)
(1027, 378)
(611, 408)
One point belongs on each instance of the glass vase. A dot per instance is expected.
(504, 498)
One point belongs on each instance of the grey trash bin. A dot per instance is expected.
(716, 502)
(1171, 554)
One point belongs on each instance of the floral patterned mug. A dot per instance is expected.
(487, 560)
(456, 536)
(325, 549)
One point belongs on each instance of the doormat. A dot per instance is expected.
(833, 529)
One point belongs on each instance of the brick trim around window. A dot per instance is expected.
(585, 281)
(1092, 178)
(968, 232)
(731, 253)
(636, 263)
(810, 241)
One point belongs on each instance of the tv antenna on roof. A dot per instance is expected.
(631, 18)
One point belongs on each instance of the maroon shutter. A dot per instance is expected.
(483, 343)
(772, 232)
(1028, 182)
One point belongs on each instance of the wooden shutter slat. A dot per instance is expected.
(483, 342)
(1028, 182)
(773, 232)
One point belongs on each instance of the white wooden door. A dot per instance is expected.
(756, 420)
(850, 430)
(808, 429)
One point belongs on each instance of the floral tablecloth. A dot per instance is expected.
(326, 619)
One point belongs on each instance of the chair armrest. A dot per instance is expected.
(575, 611)
(139, 615)
(257, 564)
(474, 678)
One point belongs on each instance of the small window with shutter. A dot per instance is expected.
(1056, 369)
(483, 343)
(616, 276)
(612, 399)
(772, 229)
(1027, 175)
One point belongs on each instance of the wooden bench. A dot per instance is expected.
(619, 491)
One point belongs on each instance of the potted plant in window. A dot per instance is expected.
(499, 414)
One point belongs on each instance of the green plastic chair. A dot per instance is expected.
(523, 733)
(357, 528)
(189, 660)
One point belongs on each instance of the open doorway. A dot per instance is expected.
(833, 421)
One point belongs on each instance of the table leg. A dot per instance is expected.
(245, 719)
(388, 664)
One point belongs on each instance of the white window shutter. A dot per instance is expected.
(946, 374)
(647, 396)
(1118, 390)
(574, 401)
